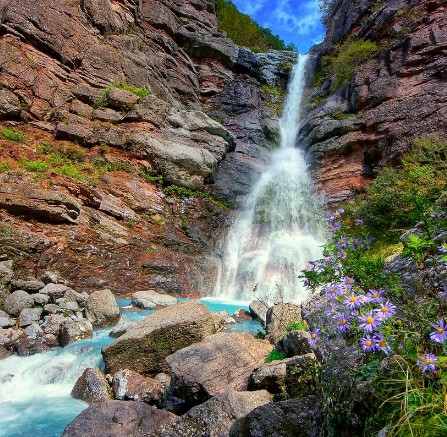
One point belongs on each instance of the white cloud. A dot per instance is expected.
(251, 7)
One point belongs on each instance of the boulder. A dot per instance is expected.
(101, 308)
(121, 99)
(9, 336)
(92, 387)
(5, 320)
(241, 314)
(215, 417)
(17, 301)
(258, 310)
(130, 385)
(41, 299)
(219, 363)
(54, 291)
(121, 329)
(150, 299)
(34, 331)
(52, 323)
(118, 419)
(31, 286)
(9, 104)
(4, 353)
(73, 330)
(29, 315)
(24, 347)
(279, 317)
(6, 273)
(291, 418)
(144, 347)
(51, 308)
(294, 343)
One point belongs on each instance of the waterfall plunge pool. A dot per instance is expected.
(35, 391)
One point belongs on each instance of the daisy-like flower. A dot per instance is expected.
(344, 323)
(363, 299)
(386, 310)
(336, 227)
(342, 254)
(332, 292)
(369, 322)
(381, 343)
(352, 302)
(375, 295)
(440, 335)
(331, 311)
(442, 249)
(427, 362)
(368, 343)
(314, 337)
(341, 243)
(349, 281)
(358, 222)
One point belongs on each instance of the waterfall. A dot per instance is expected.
(279, 229)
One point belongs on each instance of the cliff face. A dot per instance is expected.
(136, 84)
(390, 101)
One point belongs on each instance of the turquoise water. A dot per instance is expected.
(35, 391)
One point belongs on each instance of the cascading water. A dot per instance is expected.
(278, 231)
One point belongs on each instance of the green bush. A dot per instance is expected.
(11, 134)
(244, 31)
(274, 355)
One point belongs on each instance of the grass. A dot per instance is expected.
(35, 166)
(297, 326)
(274, 355)
(4, 166)
(102, 100)
(12, 134)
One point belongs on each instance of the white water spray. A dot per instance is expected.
(278, 231)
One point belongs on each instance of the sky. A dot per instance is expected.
(296, 21)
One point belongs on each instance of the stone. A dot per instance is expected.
(32, 286)
(150, 299)
(73, 330)
(6, 273)
(296, 342)
(215, 417)
(219, 363)
(24, 347)
(52, 278)
(5, 320)
(144, 347)
(52, 323)
(51, 308)
(241, 314)
(34, 331)
(41, 299)
(29, 315)
(17, 301)
(92, 387)
(279, 317)
(121, 99)
(130, 385)
(4, 353)
(258, 310)
(101, 308)
(54, 291)
(9, 104)
(9, 335)
(50, 340)
(118, 419)
(121, 329)
(291, 418)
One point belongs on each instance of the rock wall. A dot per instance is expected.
(392, 100)
(153, 84)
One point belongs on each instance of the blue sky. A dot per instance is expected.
(296, 21)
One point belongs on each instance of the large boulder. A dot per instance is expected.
(295, 342)
(130, 385)
(54, 291)
(29, 315)
(144, 347)
(101, 308)
(291, 418)
(9, 336)
(24, 347)
(279, 317)
(5, 320)
(118, 419)
(92, 387)
(52, 323)
(258, 310)
(17, 301)
(150, 299)
(220, 363)
(31, 286)
(74, 330)
(215, 417)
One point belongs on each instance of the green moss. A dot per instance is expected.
(297, 326)
(274, 355)
(12, 134)
(35, 166)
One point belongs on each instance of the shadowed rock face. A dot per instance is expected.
(389, 103)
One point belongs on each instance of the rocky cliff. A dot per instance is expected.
(104, 104)
(390, 99)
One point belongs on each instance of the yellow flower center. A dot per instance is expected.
(368, 343)
(343, 321)
(314, 335)
(382, 344)
(353, 299)
(331, 290)
(375, 295)
(370, 320)
(385, 309)
(440, 330)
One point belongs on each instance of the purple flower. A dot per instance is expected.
(440, 334)
(332, 311)
(314, 337)
(386, 310)
(369, 322)
(381, 343)
(358, 222)
(443, 293)
(352, 302)
(375, 295)
(368, 343)
(349, 281)
(332, 291)
(342, 254)
(341, 243)
(442, 249)
(336, 227)
(427, 362)
(344, 323)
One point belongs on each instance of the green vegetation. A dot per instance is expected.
(274, 355)
(102, 100)
(11, 134)
(35, 166)
(297, 326)
(4, 165)
(273, 90)
(244, 31)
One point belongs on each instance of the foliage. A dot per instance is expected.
(35, 166)
(273, 90)
(102, 100)
(11, 134)
(4, 165)
(244, 31)
(274, 355)
(297, 326)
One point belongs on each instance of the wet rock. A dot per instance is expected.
(92, 387)
(5, 320)
(258, 310)
(9, 336)
(215, 417)
(150, 299)
(241, 314)
(73, 330)
(32, 286)
(101, 308)
(294, 417)
(29, 315)
(144, 347)
(121, 329)
(295, 342)
(4, 353)
(219, 363)
(17, 301)
(130, 385)
(118, 419)
(279, 317)
(25, 347)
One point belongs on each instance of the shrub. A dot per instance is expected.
(11, 134)
(274, 355)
